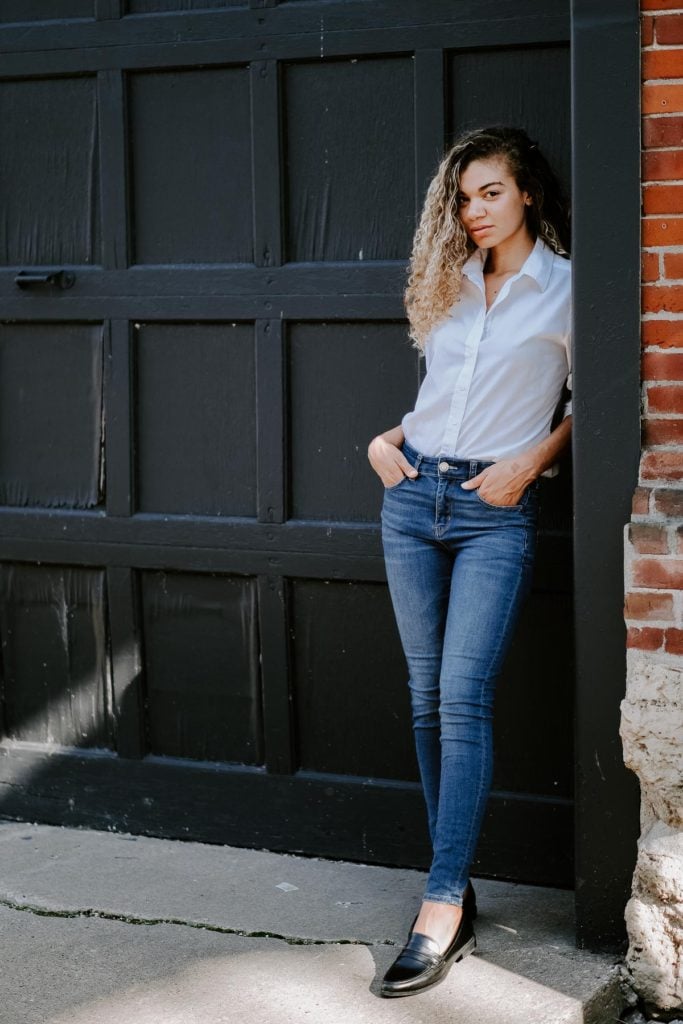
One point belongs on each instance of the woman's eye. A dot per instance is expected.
(492, 192)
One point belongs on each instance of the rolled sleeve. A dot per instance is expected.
(567, 408)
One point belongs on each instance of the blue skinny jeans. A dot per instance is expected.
(459, 569)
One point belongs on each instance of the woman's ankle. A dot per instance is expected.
(439, 921)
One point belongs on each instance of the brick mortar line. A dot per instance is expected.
(657, 591)
(663, 657)
(651, 624)
(647, 518)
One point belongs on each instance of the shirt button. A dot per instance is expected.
(443, 466)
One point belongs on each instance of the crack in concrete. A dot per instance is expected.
(106, 915)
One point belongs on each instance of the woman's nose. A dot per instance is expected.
(476, 210)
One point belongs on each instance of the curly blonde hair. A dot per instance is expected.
(441, 245)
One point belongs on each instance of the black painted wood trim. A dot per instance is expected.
(3, 632)
(126, 662)
(304, 564)
(266, 162)
(113, 170)
(270, 421)
(298, 548)
(117, 420)
(207, 309)
(108, 9)
(223, 281)
(606, 447)
(281, 32)
(430, 119)
(323, 815)
(209, 532)
(277, 708)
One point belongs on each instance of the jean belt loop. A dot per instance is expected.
(473, 468)
(418, 460)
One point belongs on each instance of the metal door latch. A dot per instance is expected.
(60, 278)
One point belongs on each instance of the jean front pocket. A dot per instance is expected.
(393, 487)
(505, 508)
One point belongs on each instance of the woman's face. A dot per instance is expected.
(490, 206)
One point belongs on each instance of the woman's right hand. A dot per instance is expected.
(388, 461)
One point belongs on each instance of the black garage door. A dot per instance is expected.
(207, 210)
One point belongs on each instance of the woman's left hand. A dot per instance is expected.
(504, 482)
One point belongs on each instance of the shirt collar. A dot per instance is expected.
(538, 264)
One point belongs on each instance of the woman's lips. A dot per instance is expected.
(483, 227)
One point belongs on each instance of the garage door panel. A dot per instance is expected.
(159, 6)
(350, 180)
(347, 382)
(527, 86)
(51, 415)
(530, 725)
(350, 689)
(190, 142)
(44, 10)
(50, 203)
(195, 418)
(55, 664)
(201, 675)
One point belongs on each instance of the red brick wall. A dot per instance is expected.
(654, 544)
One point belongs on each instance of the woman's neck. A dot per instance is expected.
(510, 255)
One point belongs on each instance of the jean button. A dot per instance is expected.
(443, 467)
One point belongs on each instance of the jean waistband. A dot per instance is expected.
(443, 464)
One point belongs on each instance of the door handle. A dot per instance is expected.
(60, 278)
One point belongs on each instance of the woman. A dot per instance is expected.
(488, 300)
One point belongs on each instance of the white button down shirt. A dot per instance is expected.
(494, 378)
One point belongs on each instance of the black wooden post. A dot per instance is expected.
(606, 446)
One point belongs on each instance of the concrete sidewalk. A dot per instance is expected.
(102, 927)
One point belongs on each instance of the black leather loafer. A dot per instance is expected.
(420, 965)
